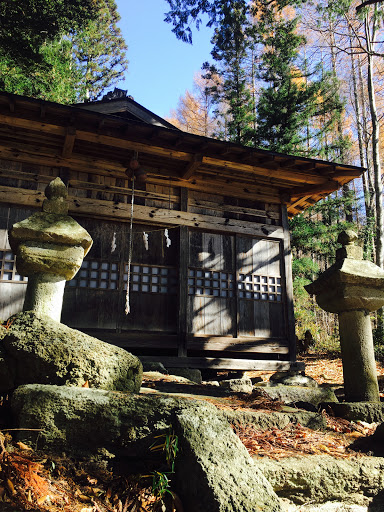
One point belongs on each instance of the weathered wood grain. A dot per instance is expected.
(225, 363)
(106, 209)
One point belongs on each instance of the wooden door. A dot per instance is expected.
(260, 288)
(211, 285)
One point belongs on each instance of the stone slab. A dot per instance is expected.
(243, 385)
(277, 419)
(293, 394)
(192, 374)
(321, 478)
(213, 471)
(370, 412)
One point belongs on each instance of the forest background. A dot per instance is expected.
(290, 76)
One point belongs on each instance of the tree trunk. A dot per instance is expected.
(375, 145)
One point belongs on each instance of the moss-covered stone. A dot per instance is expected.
(370, 412)
(51, 228)
(292, 394)
(321, 478)
(3, 332)
(276, 419)
(214, 472)
(43, 257)
(40, 350)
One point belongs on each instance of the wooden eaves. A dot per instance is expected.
(43, 133)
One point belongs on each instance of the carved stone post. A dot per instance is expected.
(49, 247)
(353, 288)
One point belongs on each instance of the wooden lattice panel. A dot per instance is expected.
(210, 283)
(151, 279)
(97, 274)
(8, 267)
(259, 287)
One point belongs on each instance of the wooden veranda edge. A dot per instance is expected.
(224, 363)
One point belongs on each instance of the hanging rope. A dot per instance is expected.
(127, 304)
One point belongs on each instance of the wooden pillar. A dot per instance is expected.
(183, 279)
(287, 274)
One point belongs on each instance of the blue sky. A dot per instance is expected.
(161, 67)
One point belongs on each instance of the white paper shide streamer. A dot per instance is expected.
(168, 241)
(145, 240)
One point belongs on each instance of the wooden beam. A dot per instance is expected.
(223, 207)
(76, 184)
(192, 167)
(135, 339)
(288, 162)
(11, 103)
(223, 187)
(262, 168)
(69, 142)
(145, 214)
(346, 174)
(325, 188)
(238, 345)
(225, 363)
(43, 156)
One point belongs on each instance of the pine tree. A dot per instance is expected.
(297, 106)
(53, 78)
(77, 65)
(99, 52)
(25, 26)
(232, 40)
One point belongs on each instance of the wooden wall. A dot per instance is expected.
(211, 291)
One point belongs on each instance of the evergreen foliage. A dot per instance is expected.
(74, 63)
(316, 231)
(27, 25)
(235, 108)
(184, 13)
(298, 107)
(99, 52)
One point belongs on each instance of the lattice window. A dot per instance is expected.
(151, 279)
(97, 274)
(256, 287)
(8, 267)
(210, 283)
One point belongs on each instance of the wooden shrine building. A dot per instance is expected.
(210, 280)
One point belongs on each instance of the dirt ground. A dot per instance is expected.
(37, 481)
(324, 368)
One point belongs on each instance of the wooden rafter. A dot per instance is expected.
(43, 133)
(192, 167)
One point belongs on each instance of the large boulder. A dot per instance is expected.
(38, 349)
(213, 471)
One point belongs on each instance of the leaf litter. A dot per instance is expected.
(36, 482)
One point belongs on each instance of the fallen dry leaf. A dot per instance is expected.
(23, 446)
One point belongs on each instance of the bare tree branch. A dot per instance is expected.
(367, 2)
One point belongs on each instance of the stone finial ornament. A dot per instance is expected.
(56, 194)
(49, 247)
(352, 288)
